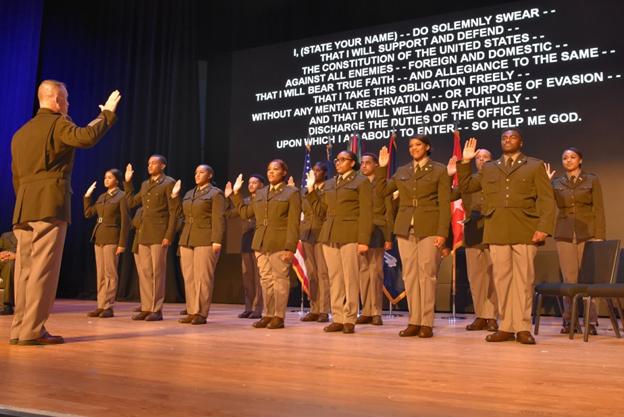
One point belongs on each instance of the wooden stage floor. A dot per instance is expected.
(117, 367)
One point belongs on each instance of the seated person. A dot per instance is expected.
(8, 247)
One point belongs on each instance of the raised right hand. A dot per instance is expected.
(111, 103)
(470, 150)
(176, 189)
(228, 189)
(129, 172)
(238, 184)
(90, 190)
(310, 181)
(384, 157)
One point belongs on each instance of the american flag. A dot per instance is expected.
(298, 261)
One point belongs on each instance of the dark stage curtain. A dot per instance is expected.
(20, 31)
(146, 50)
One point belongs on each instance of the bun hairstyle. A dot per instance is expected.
(424, 139)
(576, 151)
(281, 164)
(117, 174)
(354, 158)
(321, 165)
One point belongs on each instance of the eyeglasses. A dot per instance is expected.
(341, 160)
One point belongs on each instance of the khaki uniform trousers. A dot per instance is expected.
(343, 267)
(421, 261)
(318, 277)
(152, 268)
(106, 261)
(570, 259)
(251, 283)
(479, 268)
(198, 266)
(37, 267)
(8, 276)
(513, 268)
(274, 281)
(371, 282)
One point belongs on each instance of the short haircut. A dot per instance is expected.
(259, 177)
(46, 86)
(513, 129)
(373, 156)
(162, 158)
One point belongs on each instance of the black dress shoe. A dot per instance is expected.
(425, 332)
(276, 323)
(198, 319)
(377, 321)
(184, 312)
(477, 324)
(525, 338)
(155, 316)
(592, 330)
(45, 339)
(95, 313)
(323, 318)
(334, 327)
(187, 319)
(410, 331)
(108, 313)
(7, 310)
(364, 320)
(255, 315)
(310, 317)
(500, 336)
(264, 322)
(137, 309)
(141, 316)
(348, 328)
(244, 314)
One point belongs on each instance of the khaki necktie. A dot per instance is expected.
(572, 179)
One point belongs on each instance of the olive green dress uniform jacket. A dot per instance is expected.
(383, 218)
(520, 199)
(347, 208)
(248, 226)
(203, 212)
(277, 217)
(311, 225)
(135, 224)
(425, 198)
(42, 178)
(159, 211)
(474, 206)
(113, 222)
(581, 208)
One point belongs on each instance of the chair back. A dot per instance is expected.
(599, 262)
(619, 275)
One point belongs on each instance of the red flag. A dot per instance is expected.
(457, 207)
